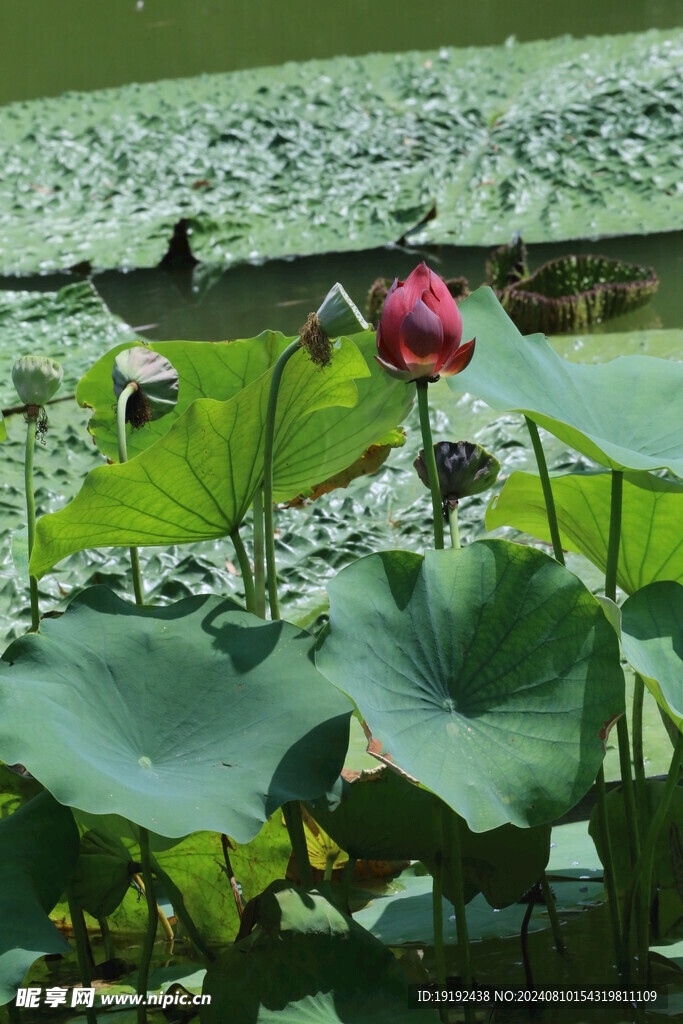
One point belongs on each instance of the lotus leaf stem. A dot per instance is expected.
(428, 444)
(647, 859)
(524, 939)
(297, 837)
(453, 525)
(622, 724)
(461, 919)
(176, 897)
(550, 511)
(610, 881)
(638, 756)
(123, 457)
(551, 907)
(437, 916)
(105, 932)
(347, 877)
(278, 370)
(247, 578)
(152, 922)
(31, 423)
(81, 941)
(329, 866)
(259, 556)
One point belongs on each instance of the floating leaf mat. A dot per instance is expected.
(558, 140)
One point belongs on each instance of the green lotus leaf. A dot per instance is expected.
(105, 868)
(405, 917)
(183, 718)
(487, 673)
(307, 962)
(582, 404)
(652, 639)
(220, 370)
(375, 818)
(38, 853)
(198, 480)
(650, 548)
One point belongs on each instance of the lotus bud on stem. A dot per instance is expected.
(463, 469)
(146, 387)
(36, 380)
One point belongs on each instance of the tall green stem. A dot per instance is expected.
(278, 370)
(123, 457)
(638, 754)
(176, 897)
(81, 940)
(622, 723)
(152, 922)
(259, 556)
(550, 511)
(437, 918)
(608, 865)
(552, 913)
(247, 578)
(648, 856)
(453, 525)
(31, 423)
(461, 919)
(423, 407)
(297, 837)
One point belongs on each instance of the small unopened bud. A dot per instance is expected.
(464, 469)
(156, 379)
(36, 379)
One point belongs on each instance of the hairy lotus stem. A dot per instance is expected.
(437, 918)
(549, 900)
(259, 556)
(105, 932)
(278, 370)
(297, 837)
(81, 940)
(423, 406)
(461, 919)
(610, 883)
(31, 423)
(622, 723)
(152, 922)
(550, 511)
(646, 861)
(176, 897)
(453, 525)
(638, 756)
(129, 390)
(247, 578)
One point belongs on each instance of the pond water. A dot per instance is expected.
(47, 47)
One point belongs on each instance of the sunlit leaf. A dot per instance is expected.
(651, 547)
(652, 638)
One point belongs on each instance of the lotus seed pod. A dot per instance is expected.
(36, 379)
(463, 468)
(339, 316)
(156, 379)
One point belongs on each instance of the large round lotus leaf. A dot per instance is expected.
(307, 963)
(38, 854)
(375, 819)
(194, 716)
(652, 638)
(650, 547)
(581, 404)
(487, 673)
